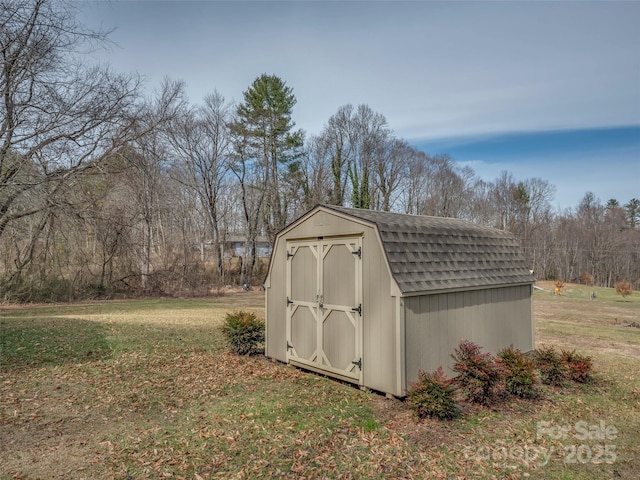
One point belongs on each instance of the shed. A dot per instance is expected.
(372, 297)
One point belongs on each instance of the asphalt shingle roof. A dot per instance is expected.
(435, 253)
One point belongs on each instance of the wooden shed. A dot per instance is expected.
(372, 297)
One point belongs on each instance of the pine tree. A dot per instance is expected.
(264, 119)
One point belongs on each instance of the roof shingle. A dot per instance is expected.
(435, 253)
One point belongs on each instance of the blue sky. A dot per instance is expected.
(605, 161)
(541, 89)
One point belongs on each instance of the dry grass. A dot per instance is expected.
(147, 389)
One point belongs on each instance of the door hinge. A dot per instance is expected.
(289, 346)
(358, 363)
(289, 302)
(289, 254)
(358, 252)
(357, 309)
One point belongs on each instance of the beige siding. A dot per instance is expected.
(493, 318)
(276, 315)
(378, 320)
(429, 327)
(379, 356)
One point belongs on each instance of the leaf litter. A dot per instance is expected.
(178, 405)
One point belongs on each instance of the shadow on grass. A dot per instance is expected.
(54, 341)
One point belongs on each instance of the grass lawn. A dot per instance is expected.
(147, 389)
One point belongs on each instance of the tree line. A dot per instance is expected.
(105, 190)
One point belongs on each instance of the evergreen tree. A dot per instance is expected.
(633, 212)
(264, 119)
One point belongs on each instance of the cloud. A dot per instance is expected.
(441, 72)
(434, 69)
(604, 161)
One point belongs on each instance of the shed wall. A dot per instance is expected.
(378, 315)
(493, 318)
(379, 322)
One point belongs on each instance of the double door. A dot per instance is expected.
(324, 305)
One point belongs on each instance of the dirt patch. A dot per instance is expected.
(431, 433)
(396, 416)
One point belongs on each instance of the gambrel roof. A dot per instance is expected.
(428, 254)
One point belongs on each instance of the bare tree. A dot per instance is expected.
(535, 216)
(148, 159)
(389, 169)
(336, 140)
(58, 116)
(251, 179)
(368, 134)
(317, 175)
(444, 187)
(541, 194)
(201, 141)
(413, 183)
(358, 145)
(504, 199)
(481, 207)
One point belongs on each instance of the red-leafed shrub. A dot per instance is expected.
(553, 370)
(478, 373)
(432, 396)
(519, 372)
(580, 366)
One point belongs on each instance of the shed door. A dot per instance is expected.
(324, 305)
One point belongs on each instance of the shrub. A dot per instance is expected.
(478, 373)
(553, 371)
(432, 396)
(519, 372)
(586, 278)
(579, 366)
(244, 332)
(623, 288)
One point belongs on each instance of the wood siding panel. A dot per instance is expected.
(276, 304)
(493, 318)
(304, 337)
(339, 283)
(379, 316)
(339, 340)
(304, 264)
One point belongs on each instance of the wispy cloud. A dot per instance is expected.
(604, 161)
(436, 70)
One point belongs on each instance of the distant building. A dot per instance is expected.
(234, 246)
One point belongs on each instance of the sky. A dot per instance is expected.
(540, 89)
